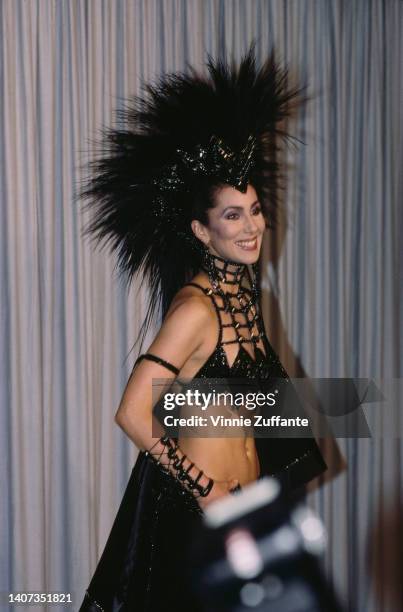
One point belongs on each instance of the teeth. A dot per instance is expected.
(247, 243)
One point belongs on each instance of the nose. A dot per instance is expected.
(250, 226)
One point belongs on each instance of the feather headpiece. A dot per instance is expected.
(187, 131)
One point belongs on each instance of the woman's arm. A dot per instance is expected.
(181, 336)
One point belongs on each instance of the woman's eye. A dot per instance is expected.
(257, 210)
(232, 216)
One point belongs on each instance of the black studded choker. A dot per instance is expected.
(222, 270)
(226, 272)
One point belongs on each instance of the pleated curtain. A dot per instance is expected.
(67, 327)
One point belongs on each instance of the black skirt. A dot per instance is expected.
(144, 566)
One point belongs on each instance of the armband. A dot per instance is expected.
(162, 362)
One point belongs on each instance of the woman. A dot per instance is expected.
(185, 192)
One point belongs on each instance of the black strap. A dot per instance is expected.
(204, 289)
(160, 361)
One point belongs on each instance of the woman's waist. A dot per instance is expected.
(224, 458)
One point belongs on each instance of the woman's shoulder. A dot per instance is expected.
(189, 319)
(184, 329)
(191, 303)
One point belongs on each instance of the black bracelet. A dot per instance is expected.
(174, 467)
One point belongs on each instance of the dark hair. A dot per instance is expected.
(159, 168)
(203, 199)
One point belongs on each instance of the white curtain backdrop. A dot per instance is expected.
(67, 325)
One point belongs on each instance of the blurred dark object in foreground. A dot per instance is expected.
(255, 552)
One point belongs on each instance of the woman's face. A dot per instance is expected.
(236, 225)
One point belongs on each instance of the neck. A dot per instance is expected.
(224, 273)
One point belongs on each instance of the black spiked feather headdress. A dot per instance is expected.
(187, 134)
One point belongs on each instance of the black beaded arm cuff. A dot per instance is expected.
(168, 456)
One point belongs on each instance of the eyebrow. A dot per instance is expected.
(239, 207)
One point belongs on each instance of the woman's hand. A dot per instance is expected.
(220, 489)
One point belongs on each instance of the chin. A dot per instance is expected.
(246, 259)
(252, 259)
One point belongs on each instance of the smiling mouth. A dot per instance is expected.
(247, 245)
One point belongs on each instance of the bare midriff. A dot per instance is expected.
(224, 459)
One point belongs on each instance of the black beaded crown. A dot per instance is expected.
(187, 133)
